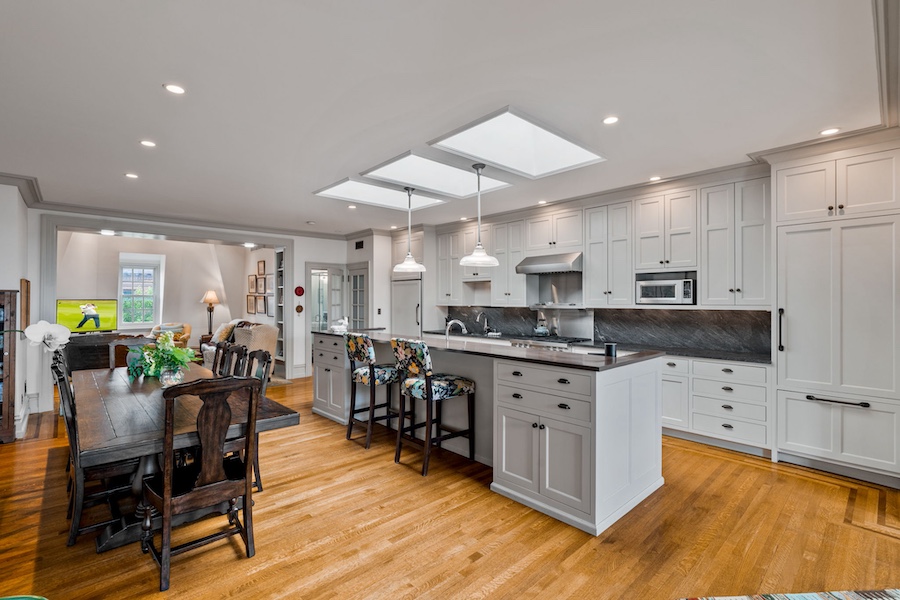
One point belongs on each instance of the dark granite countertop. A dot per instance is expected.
(483, 347)
(695, 353)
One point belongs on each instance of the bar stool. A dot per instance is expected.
(419, 383)
(360, 349)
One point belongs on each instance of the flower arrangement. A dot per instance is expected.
(51, 336)
(161, 356)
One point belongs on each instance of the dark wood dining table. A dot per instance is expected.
(118, 419)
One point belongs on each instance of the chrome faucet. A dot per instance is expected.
(450, 324)
(487, 328)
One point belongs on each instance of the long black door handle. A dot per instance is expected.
(860, 404)
(418, 306)
(780, 320)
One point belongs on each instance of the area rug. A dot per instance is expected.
(857, 595)
(276, 381)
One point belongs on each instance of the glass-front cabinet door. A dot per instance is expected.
(8, 365)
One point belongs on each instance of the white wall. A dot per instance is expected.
(13, 267)
(376, 251)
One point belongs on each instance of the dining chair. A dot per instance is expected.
(257, 365)
(232, 362)
(419, 382)
(218, 356)
(216, 478)
(360, 349)
(109, 481)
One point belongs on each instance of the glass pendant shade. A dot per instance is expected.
(479, 257)
(409, 264)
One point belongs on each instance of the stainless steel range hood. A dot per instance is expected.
(551, 263)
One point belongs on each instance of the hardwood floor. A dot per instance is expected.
(337, 521)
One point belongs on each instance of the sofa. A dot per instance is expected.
(255, 336)
(181, 332)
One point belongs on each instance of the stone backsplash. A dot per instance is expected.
(738, 331)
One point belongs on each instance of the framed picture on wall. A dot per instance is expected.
(270, 307)
(251, 284)
(270, 283)
(261, 285)
(260, 305)
(251, 305)
(261, 267)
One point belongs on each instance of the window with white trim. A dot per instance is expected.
(141, 279)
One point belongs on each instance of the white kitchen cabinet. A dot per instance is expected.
(331, 373)
(850, 430)
(554, 232)
(838, 310)
(449, 271)
(730, 401)
(734, 249)
(608, 274)
(665, 231)
(846, 187)
(508, 246)
(675, 401)
(399, 246)
(469, 240)
(549, 457)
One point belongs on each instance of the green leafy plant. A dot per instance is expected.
(158, 357)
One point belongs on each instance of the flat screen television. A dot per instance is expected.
(86, 315)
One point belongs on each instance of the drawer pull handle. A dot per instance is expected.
(534, 425)
(727, 407)
(860, 404)
(727, 426)
(517, 395)
(541, 426)
(517, 373)
(564, 406)
(320, 354)
(563, 381)
(334, 357)
(328, 370)
(727, 370)
(670, 364)
(727, 388)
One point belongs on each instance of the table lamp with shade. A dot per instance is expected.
(210, 299)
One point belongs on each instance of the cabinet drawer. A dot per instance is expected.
(327, 342)
(728, 389)
(728, 408)
(547, 404)
(730, 428)
(674, 365)
(557, 381)
(327, 357)
(730, 371)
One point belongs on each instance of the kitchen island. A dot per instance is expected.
(575, 436)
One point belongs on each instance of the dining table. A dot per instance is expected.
(118, 418)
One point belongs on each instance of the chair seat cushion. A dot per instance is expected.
(443, 386)
(384, 374)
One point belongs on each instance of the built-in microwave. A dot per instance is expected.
(666, 291)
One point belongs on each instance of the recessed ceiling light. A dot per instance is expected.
(107, 232)
(354, 190)
(393, 227)
(464, 218)
(831, 131)
(352, 207)
(249, 245)
(148, 143)
(175, 89)
(131, 175)
(655, 178)
(509, 140)
(610, 120)
(542, 202)
(426, 174)
(310, 222)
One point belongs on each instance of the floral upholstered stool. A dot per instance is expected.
(361, 350)
(420, 383)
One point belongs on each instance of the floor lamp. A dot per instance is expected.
(211, 300)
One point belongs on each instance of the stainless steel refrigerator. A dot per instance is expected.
(406, 308)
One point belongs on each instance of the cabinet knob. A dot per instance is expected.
(831, 207)
(541, 426)
(609, 292)
(731, 290)
(738, 290)
(320, 354)
(667, 262)
(661, 262)
(517, 395)
(334, 358)
(534, 425)
(841, 206)
(328, 370)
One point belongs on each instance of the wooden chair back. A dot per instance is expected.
(67, 405)
(221, 347)
(232, 362)
(257, 364)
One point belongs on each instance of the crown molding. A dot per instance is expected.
(28, 188)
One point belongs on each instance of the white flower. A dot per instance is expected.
(51, 335)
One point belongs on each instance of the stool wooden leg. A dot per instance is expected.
(471, 402)
(429, 425)
(438, 413)
(400, 427)
(352, 408)
(371, 424)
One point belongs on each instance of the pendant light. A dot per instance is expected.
(409, 264)
(479, 258)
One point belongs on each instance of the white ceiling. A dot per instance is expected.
(286, 97)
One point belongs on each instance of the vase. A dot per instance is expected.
(170, 377)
